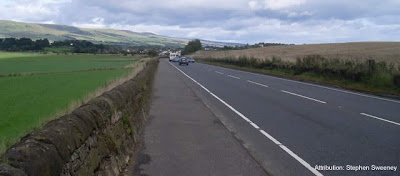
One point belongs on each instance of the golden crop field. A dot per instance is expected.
(360, 51)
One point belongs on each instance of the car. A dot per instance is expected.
(176, 59)
(190, 60)
(183, 61)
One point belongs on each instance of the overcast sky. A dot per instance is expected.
(244, 21)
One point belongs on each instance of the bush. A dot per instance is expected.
(396, 80)
(152, 53)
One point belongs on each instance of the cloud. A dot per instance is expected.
(275, 4)
(246, 21)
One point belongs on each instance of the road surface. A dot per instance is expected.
(296, 128)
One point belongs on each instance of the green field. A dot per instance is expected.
(60, 49)
(6, 55)
(20, 63)
(27, 101)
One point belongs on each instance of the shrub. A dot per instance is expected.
(396, 80)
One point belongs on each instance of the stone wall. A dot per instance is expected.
(98, 138)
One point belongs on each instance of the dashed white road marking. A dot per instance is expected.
(319, 101)
(283, 147)
(368, 115)
(219, 72)
(233, 77)
(257, 83)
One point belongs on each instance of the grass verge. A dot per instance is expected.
(368, 86)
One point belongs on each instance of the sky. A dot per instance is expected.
(243, 21)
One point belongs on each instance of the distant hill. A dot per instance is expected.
(55, 32)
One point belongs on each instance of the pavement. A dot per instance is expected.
(288, 127)
(184, 137)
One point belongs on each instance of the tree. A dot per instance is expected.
(41, 43)
(152, 53)
(192, 46)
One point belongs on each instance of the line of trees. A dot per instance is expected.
(76, 46)
(66, 46)
(83, 46)
(23, 44)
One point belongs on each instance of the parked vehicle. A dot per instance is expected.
(190, 60)
(183, 61)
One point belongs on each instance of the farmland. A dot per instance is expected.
(36, 88)
(361, 51)
(59, 63)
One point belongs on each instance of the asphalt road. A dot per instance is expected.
(291, 127)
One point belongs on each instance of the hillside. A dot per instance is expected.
(380, 51)
(55, 32)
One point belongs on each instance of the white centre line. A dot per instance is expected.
(283, 147)
(257, 83)
(380, 118)
(219, 72)
(319, 101)
(233, 77)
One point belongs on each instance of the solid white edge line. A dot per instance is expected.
(314, 85)
(287, 150)
(270, 137)
(254, 125)
(304, 163)
(365, 114)
(219, 72)
(257, 83)
(233, 77)
(319, 101)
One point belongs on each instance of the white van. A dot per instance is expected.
(172, 55)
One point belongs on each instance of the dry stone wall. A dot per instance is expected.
(98, 138)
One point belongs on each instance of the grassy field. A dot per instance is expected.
(22, 63)
(361, 51)
(27, 101)
(6, 55)
(61, 49)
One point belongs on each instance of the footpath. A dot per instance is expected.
(183, 136)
